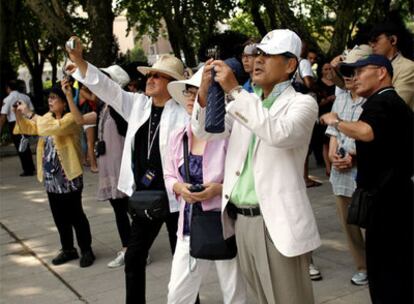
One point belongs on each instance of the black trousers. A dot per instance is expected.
(143, 234)
(120, 207)
(25, 157)
(68, 213)
(389, 248)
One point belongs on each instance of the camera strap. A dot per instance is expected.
(104, 114)
(150, 141)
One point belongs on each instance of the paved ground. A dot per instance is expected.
(28, 241)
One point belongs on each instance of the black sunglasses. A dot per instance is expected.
(157, 76)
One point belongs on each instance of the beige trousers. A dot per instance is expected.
(353, 233)
(274, 278)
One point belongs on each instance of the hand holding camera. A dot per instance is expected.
(75, 49)
(196, 188)
(66, 87)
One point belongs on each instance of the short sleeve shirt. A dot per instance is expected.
(392, 148)
(10, 100)
(343, 182)
(305, 68)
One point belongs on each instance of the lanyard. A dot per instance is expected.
(150, 142)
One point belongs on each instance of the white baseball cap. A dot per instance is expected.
(279, 42)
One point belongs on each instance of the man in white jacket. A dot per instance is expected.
(151, 119)
(264, 195)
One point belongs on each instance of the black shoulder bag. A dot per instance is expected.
(362, 201)
(206, 229)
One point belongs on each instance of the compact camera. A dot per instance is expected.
(196, 188)
(342, 152)
(100, 148)
(71, 44)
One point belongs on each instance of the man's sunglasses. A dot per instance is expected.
(157, 76)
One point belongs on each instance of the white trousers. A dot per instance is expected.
(187, 274)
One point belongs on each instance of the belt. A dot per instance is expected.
(246, 211)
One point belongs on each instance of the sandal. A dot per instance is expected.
(313, 183)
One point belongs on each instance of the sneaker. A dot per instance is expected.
(65, 256)
(314, 273)
(360, 278)
(118, 261)
(87, 259)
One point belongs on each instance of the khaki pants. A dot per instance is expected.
(274, 278)
(353, 233)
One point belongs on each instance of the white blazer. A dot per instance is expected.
(135, 109)
(282, 134)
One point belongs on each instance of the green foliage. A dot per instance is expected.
(242, 22)
(137, 54)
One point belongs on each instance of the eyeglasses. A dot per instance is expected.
(249, 55)
(190, 93)
(157, 76)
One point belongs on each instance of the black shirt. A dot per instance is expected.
(140, 162)
(391, 151)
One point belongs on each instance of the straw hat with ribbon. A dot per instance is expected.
(166, 64)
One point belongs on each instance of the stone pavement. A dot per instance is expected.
(29, 240)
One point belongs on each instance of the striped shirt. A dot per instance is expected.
(343, 183)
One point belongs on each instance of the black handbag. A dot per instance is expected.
(150, 204)
(206, 230)
(359, 209)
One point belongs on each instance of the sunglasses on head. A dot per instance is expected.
(157, 76)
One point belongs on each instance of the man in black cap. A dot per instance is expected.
(387, 39)
(384, 145)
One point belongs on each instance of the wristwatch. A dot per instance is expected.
(232, 94)
(336, 123)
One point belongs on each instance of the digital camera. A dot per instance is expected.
(196, 188)
(100, 148)
(342, 152)
(71, 44)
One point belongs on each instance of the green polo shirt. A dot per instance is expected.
(244, 192)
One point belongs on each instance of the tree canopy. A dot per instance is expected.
(33, 31)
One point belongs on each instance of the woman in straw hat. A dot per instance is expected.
(151, 119)
(206, 167)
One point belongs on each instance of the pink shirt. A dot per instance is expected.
(213, 169)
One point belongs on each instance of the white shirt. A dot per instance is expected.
(305, 68)
(10, 100)
(135, 108)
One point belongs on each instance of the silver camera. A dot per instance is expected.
(71, 44)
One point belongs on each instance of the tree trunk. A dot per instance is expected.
(344, 18)
(288, 20)
(7, 15)
(56, 26)
(101, 20)
(257, 19)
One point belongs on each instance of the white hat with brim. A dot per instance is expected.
(166, 64)
(279, 42)
(357, 53)
(117, 74)
(176, 88)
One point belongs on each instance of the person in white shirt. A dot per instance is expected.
(264, 195)
(7, 114)
(152, 117)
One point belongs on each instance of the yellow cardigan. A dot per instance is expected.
(66, 138)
